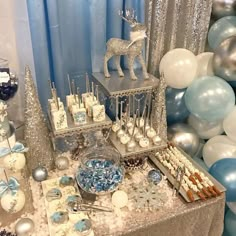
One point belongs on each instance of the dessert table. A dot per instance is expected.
(202, 218)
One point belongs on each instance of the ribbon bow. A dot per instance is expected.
(18, 148)
(12, 185)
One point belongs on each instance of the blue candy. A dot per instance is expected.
(99, 176)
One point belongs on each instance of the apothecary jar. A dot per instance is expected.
(100, 171)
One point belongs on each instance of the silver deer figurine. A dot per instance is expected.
(131, 48)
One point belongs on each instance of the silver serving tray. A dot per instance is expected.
(166, 172)
(124, 86)
(138, 150)
(75, 129)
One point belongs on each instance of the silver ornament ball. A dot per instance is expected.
(40, 173)
(224, 60)
(221, 8)
(185, 137)
(62, 163)
(24, 227)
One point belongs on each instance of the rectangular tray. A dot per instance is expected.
(73, 129)
(73, 218)
(165, 171)
(138, 150)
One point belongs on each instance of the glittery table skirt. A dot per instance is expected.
(202, 218)
(194, 219)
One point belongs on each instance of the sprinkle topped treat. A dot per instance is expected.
(83, 226)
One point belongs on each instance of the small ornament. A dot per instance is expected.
(119, 199)
(154, 176)
(40, 173)
(62, 163)
(59, 217)
(24, 227)
(13, 203)
(53, 194)
(83, 227)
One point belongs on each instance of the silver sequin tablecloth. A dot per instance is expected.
(181, 219)
(194, 219)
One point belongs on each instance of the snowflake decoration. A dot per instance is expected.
(147, 197)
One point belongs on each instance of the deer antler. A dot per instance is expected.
(129, 16)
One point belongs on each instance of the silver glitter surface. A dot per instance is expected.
(159, 113)
(175, 24)
(36, 133)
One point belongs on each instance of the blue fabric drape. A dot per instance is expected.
(70, 37)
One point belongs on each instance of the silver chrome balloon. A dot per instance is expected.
(224, 59)
(221, 8)
(24, 227)
(185, 137)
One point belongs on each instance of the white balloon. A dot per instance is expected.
(232, 206)
(206, 129)
(179, 67)
(205, 66)
(229, 125)
(218, 147)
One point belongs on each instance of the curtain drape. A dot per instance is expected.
(175, 24)
(70, 37)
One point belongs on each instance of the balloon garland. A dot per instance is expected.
(201, 92)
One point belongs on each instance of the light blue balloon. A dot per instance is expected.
(230, 223)
(209, 98)
(221, 30)
(175, 106)
(224, 171)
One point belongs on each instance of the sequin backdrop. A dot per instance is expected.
(36, 133)
(175, 24)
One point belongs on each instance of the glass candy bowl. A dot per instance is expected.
(100, 171)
